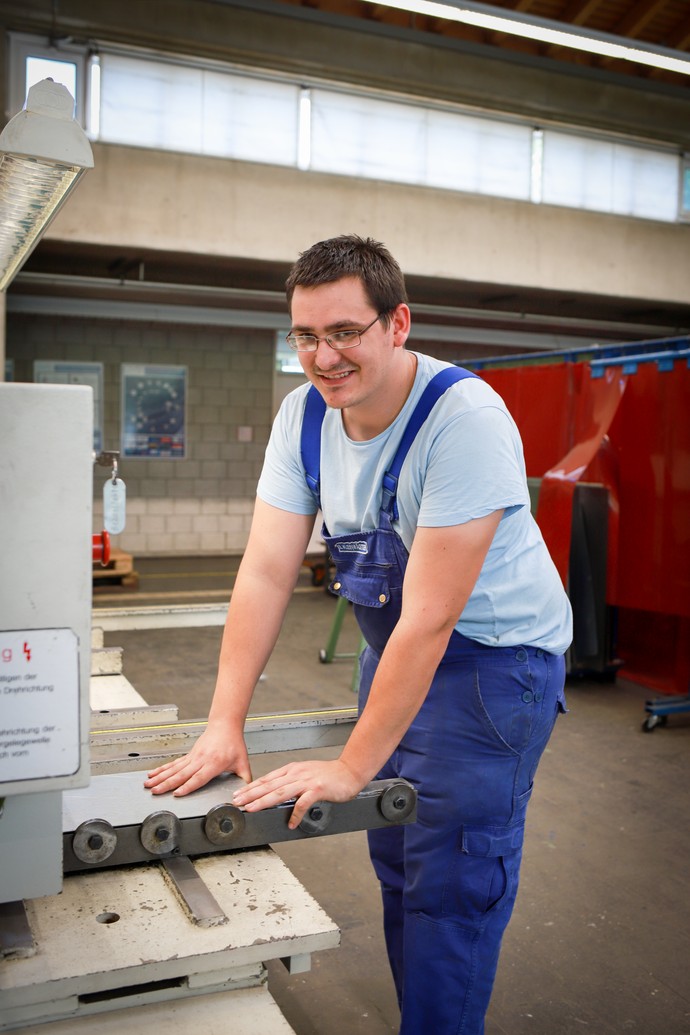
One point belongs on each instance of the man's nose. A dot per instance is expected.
(326, 357)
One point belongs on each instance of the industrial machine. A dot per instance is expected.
(45, 625)
(110, 898)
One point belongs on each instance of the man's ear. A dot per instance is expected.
(401, 322)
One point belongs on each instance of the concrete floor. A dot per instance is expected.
(599, 942)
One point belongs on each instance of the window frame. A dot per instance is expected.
(86, 58)
(684, 189)
(23, 46)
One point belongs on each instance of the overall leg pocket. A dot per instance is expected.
(484, 873)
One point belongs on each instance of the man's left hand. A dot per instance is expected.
(307, 782)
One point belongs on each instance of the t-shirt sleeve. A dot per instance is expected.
(475, 466)
(282, 481)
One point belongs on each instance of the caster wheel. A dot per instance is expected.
(652, 721)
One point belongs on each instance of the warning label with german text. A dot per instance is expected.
(39, 704)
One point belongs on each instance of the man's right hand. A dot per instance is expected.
(215, 752)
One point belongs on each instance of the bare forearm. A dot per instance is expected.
(255, 615)
(257, 607)
(443, 567)
(262, 592)
(402, 680)
(251, 630)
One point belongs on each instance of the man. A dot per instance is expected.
(419, 471)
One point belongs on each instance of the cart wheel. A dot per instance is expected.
(323, 657)
(652, 721)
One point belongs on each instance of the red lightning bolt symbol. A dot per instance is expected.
(27, 651)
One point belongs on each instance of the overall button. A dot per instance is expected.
(521, 655)
(337, 585)
(528, 697)
(538, 696)
(540, 652)
(382, 598)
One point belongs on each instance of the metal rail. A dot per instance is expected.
(138, 744)
(593, 353)
(629, 362)
(116, 821)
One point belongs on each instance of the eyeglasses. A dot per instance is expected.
(337, 340)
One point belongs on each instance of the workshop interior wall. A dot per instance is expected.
(269, 213)
(200, 504)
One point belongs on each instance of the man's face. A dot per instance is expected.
(354, 377)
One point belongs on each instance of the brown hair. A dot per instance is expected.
(351, 256)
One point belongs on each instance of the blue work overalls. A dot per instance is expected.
(449, 880)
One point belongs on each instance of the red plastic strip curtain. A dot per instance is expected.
(651, 435)
(538, 397)
(594, 403)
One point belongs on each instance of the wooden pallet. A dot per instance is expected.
(119, 571)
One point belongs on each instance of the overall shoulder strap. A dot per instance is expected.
(437, 387)
(310, 440)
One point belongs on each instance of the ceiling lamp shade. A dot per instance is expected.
(43, 152)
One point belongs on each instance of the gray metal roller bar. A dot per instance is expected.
(116, 822)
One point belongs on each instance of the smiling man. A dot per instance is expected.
(370, 385)
(418, 469)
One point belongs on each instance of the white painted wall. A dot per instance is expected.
(141, 198)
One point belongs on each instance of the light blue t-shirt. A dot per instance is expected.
(465, 462)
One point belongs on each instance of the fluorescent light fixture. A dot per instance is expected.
(545, 31)
(43, 152)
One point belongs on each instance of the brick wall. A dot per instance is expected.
(201, 504)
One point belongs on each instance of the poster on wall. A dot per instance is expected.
(153, 411)
(58, 372)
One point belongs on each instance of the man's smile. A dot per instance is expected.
(338, 375)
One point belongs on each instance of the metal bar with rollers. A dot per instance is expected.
(116, 821)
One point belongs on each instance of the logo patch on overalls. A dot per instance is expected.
(359, 546)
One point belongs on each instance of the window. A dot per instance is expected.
(353, 135)
(156, 102)
(199, 111)
(388, 140)
(480, 155)
(607, 176)
(286, 360)
(32, 59)
(59, 71)
(685, 189)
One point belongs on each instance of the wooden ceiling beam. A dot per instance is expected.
(679, 37)
(632, 23)
(579, 11)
